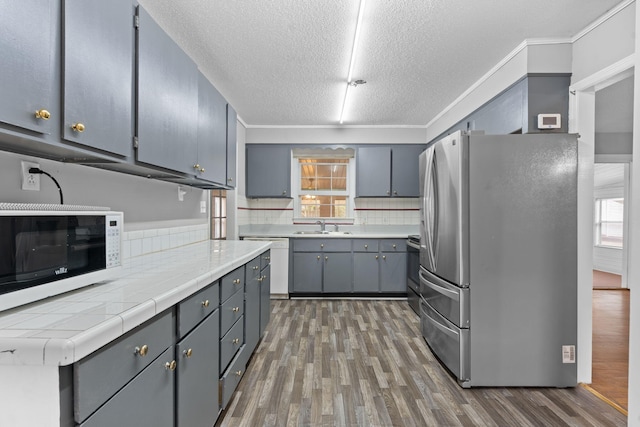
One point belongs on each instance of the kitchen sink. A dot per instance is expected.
(326, 233)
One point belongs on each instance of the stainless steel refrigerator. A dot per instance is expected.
(498, 256)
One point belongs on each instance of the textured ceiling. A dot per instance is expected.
(285, 62)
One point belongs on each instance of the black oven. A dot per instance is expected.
(413, 269)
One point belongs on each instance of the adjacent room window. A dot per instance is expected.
(609, 215)
(323, 184)
(218, 214)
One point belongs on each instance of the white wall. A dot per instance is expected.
(146, 203)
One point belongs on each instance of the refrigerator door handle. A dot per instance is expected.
(427, 212)
(448, 331)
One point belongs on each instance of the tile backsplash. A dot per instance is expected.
(142, 242)
(373, 211)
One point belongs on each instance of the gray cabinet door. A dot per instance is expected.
(212, 133)
(268, 171)
(307, 272)
(393, 272)
(167, 100)
(265, 299)
(252, 311)
(337, 272)
(232, 143)
(405, 170)
(197, 375)
(28, 36)
(366, 277)
(373, 172)
(98, 74)
(146, 401)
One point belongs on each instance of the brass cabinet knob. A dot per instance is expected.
(388, 192)
(384, 257)
(201, 169)
(229, 179)
(188, 352)
(205, 303)
(236, 341)
(196, 166)
(43, 114)
(78, 127)
(366, 246)
(318, 256)
(394, 246)
(170, 366)
(284, 193)
(263, 277)
(376, 256)
(260, 279)
(395, 193)
(321, 245)
(142, 351)
(235, 309)
(238, 373)
(255, 267)
(267, 258)
(236, 281)
(326, 258)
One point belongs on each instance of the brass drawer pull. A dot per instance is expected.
(187, 353)
(78, 127)
(43, 114)
(235, 309)
(236, 281)
(142, 351)
(170, 366)
(235, 341)
(205, 303)
(238, 373)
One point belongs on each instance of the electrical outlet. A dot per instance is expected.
(30, 181)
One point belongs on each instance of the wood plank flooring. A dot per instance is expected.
(604, 280)
(610, 365)
(364, 363)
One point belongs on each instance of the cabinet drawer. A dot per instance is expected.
(365, 245)
(232, 377)
(265, 259)
(253, 268)
(325, 245)
(393, 245)
(98, 376)
(231, 283)
(147, 400)
(194, 309)
(231, 311)
(230, 343)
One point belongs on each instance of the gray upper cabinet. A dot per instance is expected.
(211, 161)
(98, 74)
(388, 171)
(167, 100)
(268, 171)
(28, 36)
(373, 172)
(232, 133)
(405, 170)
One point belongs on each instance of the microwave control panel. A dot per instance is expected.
(113, 240)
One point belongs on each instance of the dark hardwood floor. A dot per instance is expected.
(364, 363)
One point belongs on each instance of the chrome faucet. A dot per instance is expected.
(322, 225)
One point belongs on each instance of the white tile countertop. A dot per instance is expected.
(344, 231)
(61, 330)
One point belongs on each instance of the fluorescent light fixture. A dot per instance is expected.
(354, 50)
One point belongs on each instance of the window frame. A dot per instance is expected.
(598, 223)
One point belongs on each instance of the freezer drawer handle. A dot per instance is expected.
(444, 291)
(444, 329)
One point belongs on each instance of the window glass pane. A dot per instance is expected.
(223, 207)
(223, 228)
(216, 228)
(324, 171)
(216, 207)
(324, 184)
(612, 209)
(609, 222)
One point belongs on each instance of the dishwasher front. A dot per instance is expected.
(279, 265)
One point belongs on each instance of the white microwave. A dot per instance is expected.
(46, 250)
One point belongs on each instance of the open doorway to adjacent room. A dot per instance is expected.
(612, 168)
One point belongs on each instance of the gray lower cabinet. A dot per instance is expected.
(268, 169)
(265, 298)
(252, 304)
(372, 266)
(180, 368)
(321, 266)
(167, 125)
(146, 401)
(98, 71)
(28, 37)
